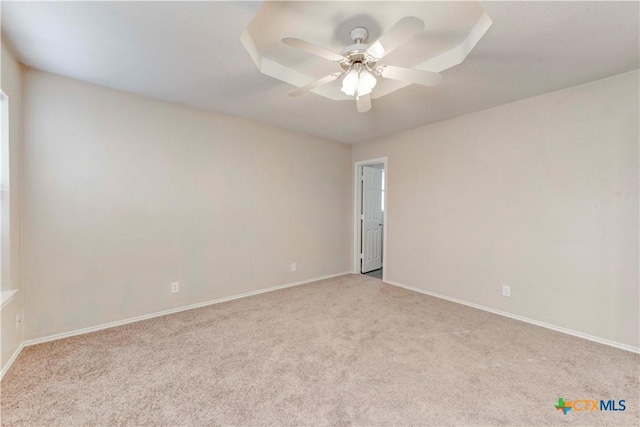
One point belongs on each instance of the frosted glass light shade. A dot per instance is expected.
(350, 82)
(366, 83)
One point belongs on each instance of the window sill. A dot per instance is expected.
(7, 296)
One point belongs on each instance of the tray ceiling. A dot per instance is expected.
(452, 30)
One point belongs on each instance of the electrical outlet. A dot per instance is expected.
(294, 267)
(18, 321)
(175, 287)
(506, 291)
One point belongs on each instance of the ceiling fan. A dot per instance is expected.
(359, 62)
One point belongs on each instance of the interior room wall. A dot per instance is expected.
(540, 195)
(124, 195)
(11, 83)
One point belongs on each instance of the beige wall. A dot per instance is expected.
(124, 195)
(540, 195)
(11, 84)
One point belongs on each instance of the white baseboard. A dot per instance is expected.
(522, 319)
(12, 359)
(172, 310)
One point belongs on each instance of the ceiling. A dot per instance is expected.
(190, 53)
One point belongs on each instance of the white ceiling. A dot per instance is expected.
(190, 53)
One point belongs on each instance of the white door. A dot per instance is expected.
(372, 219)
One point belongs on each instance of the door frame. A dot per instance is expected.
(357, 225)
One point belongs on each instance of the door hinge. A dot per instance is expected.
(362, 216)
(361, 256)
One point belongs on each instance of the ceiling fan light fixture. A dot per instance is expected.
(358, 82)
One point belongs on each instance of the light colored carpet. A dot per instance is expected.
(348, 350)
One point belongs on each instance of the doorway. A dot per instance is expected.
(370, 217)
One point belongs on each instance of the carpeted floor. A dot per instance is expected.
(348, 350)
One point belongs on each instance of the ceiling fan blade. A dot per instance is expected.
(317, 83)
(363, 103)
(425, 78)
(400, 33)
(312, 48)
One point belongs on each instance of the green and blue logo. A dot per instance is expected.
(562, 406)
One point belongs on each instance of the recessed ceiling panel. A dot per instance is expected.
(451, 30)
